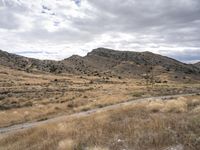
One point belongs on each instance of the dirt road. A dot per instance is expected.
(23, 126)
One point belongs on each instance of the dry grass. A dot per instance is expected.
(196, 109)
(155, 106)
(176, 106)
(138, 127)
(27, 96)
(66, 144)
(146, 125)
(179, 105)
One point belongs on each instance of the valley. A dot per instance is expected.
(106, 91)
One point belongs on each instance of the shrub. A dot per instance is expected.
(137, 94)
(85, 96)
(85, 109)
(165, 81)
(193, 102)
(196, 110)
(2, 97)
(155, 106)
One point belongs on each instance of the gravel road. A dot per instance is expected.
(23, 126)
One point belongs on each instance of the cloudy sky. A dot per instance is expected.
(56, 29)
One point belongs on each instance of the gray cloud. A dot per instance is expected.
(140, 25)
(187, 55)
(6, 17)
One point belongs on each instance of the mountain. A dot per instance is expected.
(197, 64)
(29, 64)
(135, 61)
(105, 62)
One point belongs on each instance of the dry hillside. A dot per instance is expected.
(197, 64)
(106, 62)
(35, 91)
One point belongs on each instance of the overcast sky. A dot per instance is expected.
(56, 29)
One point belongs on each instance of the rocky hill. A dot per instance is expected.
(197, 64)
(105, 62)
(126, 61)
(31, 65)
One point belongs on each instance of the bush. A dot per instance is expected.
(165, 81)
(155, 106)
(2, 97)
(137, 94)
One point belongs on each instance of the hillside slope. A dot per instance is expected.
(29, 64)
(126, 62)
(197, 64)
(105, 62)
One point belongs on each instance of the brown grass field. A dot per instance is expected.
(162, 125)
(145, 125)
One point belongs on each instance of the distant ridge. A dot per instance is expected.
(102, 61)
(197, 64)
